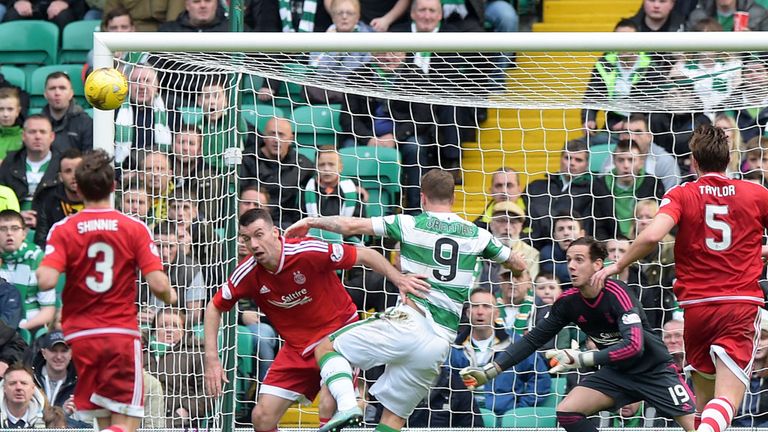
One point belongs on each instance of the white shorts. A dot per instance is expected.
(403, 340)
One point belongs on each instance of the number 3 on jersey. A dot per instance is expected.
(104, 266)
(710, 212)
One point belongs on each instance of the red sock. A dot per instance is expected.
(324, 420)
(696, 420)
(717, 415)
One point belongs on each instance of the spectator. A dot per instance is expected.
(134, 200)
(222, 125)
(289, 17)
(148, 15)
(515, 299)
(659, 16)
(633, 415)
(658, 162)
(723, 11)
(55, 373)
(54, 204)
(23, 96)
(185, 274)
(155, 169)
(334, 65)
(327, 194)
(20, 259)
(59, 12)
(191, 172)
(252, 196)
(11, 307)
(205, 246)
(198, 16)
(505, 186)
(756, 160)
(280, 169)
(619, 76)
(568, 191)
(548, 288)
(116, 20)
(32, 169)
(10, 121)
(617, 192)
(657, 269)
(73, 126)
(617, 247)
(731, 129)
(565, 229)
(154, 403)
(525, 385)
(506, 225)
(672, 336)
(13, 349)
(176, 359)
(753, 412)
(383, 15)
(21, 403)
(753, 120)
(143, 120)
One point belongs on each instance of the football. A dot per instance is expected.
(106, 88)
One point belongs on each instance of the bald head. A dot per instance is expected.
(278, 137)
(426, 14)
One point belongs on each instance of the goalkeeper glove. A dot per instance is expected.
(568, 359)
(474, 376)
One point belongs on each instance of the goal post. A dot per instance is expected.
(217, 78)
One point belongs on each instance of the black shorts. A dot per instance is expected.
(664, 389)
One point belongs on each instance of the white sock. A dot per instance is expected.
(337, 375)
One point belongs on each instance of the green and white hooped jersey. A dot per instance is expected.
(445, 248)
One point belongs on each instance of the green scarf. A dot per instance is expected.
(19, 267)
(307, 23)
(624, 200)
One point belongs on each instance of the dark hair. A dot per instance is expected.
(18, 366)
(626, 23)
(10, 92)
(38, 117)
(620, 237)
(256, 186)
(134, 184)
(188, 128)
(708, 24)
(95, 175)
(189, 195)
(438, 185)
(255, 214)
(754, 175)
(165, 228)
(639, 117)
(597, 249)
(170, 310)
(576, 145)
(71, 153)
(11, 215)
(709, 147)
(112, 14)
(625, 145)
(56, 75)
(548, 275)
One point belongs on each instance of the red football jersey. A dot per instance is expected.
(100, 251)
(718, 246)
(304, 298)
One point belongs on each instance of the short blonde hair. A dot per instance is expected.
(355, 4)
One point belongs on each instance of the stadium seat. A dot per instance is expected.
(37, 84)
(77, 41)
(598, 154)
(29, 43)
(14, 76)
(308, 152)
(260, 113)
(378, 171)
(317, 125)
(557, 392)
(543, 417)
(249, 85)
(489, 418)
(191, 115)
(290, 93)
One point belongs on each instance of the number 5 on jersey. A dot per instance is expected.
(710, 212)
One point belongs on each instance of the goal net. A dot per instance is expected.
(583, 134)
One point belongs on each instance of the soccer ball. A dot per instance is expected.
(106, 88)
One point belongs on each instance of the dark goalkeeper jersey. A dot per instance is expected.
(614, 320)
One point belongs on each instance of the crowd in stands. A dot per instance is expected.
(174, 176)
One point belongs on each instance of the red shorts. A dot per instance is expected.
(729, 332)
(109, 375)
(292, 376)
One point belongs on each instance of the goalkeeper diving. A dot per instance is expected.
(634, 363)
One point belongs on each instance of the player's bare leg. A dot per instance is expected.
(729, 389)
(118, 423)
(704, 389)
(572, 412)
(390, 422)
(686, 422)
(326, 405)
(268, 411)
(336, 373)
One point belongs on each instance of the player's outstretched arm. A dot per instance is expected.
(344, 225)
(516, 263)
(161, 286)
(406, 283)
(214, 375)
(645, 242)
(47, 278)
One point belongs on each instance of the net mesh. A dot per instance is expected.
(211, 134)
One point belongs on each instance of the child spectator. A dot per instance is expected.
(756, 159)
(515, 300)
(20, 259)
(10, 121)
(134, 200)
(548, 288)
(731, 129)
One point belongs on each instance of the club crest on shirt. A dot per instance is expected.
(337, 252)
(299, 277)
